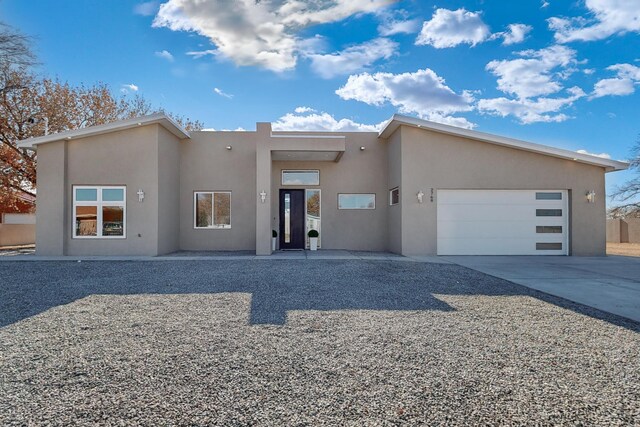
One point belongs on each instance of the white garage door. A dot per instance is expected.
(502, 222)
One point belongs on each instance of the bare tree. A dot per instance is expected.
(628, 193)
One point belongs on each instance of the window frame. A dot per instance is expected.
(195, 210)
(391, 196)
(357, 194)
(282, 172)
(99, 204)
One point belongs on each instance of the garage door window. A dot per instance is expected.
(549, 246)
(549, 196)
(549, 229)
(548, 212)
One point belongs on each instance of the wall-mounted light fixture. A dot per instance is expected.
(263, 196)
(420, 196)
(228, 147)
(140, 194)
(591, 196)
(362, 148)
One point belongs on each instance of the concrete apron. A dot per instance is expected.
(610, 284)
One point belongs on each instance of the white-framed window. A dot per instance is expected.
(211, 209)
(356, 201)
(394, 196)
(301, 177)
(99, 212)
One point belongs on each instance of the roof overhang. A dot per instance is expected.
(304, 148)
(160, 118)
(399, 120)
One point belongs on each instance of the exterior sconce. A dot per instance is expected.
(420, 196)
(591, 196)
(362, 148)
(263, 196)
(228, 147)
(140, 194)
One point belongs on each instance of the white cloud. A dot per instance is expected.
(396, 22)
(606, 18)
(544, 4)
(527, 111)
(146, 9)
(536, 72)
(221, 93)
(128, 87)
(302, 110)
(423, 93)
(314, 121)
(601, 155)
(197, 54)
(353, 58)
(165, 54)
(449, 28)
(258, 33)
(627, 77)
(516, 33)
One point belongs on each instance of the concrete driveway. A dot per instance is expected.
(611, 283)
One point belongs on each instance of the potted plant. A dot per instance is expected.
(313, 239)
(274, 239)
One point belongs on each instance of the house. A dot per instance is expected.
(146, 186)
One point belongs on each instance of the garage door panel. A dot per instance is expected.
(501, 222)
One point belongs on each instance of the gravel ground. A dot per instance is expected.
(624, 249)
(353, 343)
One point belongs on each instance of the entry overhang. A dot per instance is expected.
(315, 148)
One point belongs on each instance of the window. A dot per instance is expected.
(356, 201)
(549, 246)
(212, 209)
(548, 212)
(548, 229)
(300, 177)
(549, 196)
(313, 210)
(99, 212)
(394, 196)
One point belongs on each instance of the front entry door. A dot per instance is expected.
(292, 219)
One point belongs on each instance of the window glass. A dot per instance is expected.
(548, 196)
(222, 205)
(86, 194)
(548, 212)
(113, 195)
(302, 177)
(549, 246)
(313, 213)
(113, 221)
(394, 196)
(549, 229)
(356, 201)
(204, 210)
(86, 220)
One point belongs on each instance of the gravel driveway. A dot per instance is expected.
(303, 343)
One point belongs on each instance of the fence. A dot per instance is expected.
(623, 230)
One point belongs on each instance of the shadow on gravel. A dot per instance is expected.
(277, 287)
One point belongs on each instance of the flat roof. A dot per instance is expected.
(159, 118)
(399, 120)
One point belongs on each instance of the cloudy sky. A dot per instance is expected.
(563, 73)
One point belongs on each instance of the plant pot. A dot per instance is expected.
(274, 241)
(313, 243)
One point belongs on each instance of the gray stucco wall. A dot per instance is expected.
(356, 172)
(623, 230)
(394, 223)
(52, 201)
(206, 165)
(168, 191)
(438, 161)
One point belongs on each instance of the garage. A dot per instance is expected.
(502, 222)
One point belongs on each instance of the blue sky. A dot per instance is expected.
(562, 73)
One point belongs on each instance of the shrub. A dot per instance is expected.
(274, 233)
(313, 233)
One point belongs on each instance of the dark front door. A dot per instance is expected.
(292, 219)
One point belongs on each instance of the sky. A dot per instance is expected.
(560, 73)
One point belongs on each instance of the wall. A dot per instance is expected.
(168, 191)
(17, 234)
(18, 218)
(439, 161)
(623, 230)
(394, 222)
(52, 204)
(206, 165)
(356, 172)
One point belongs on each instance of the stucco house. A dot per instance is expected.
(146, 186)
